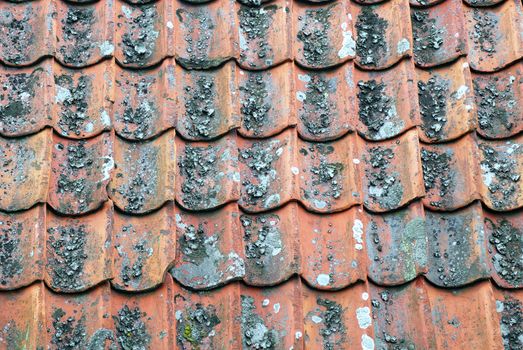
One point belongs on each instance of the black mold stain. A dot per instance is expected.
(506, 249)
(260, 159)
(496, 103)
(66, 256)
(139, 40)
(138, 120)
(17, 94)
(371, 42)
(192, 244)
(197, 21)
(314, 35)
(484, 35)
(433, 105)
(503, 173)
(511, 323)
(16, 36)
(131, 271)
(198, 165)
(437, 174)
(333, 329)
(262, 239)
(375, 106)
(77, 29)
(200, 112)
(318, 111)
(143, 180)
(255, 24)
(254, 105)
(255, 334)
(427, 37)
(78, 158)
(10, 260)
(69, 332)
(384, 187)
(195, 326)
(131, 331)
(74, 103)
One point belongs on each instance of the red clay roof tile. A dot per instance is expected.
(143, 178)
(264, 38)
(494, 35)
(144, 101)
(144, 34)
(24, 172)
(80, 172)
(84, 33)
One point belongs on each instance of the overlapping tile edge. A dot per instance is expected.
(365, 244)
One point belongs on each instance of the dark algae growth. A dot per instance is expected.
(318, 110)
(432, 96)
(77, 29)
(131, 330)
(333, 330)
(10, 259)
(195, 325)
(375, 106)
(256, 335)
(511, 323)
(506, 251)
(437, 173)
(371, 42)
(69, 332)
(314, 35)
(428, 37)
(385, 187)
(139, 41)
(255, 106)
(255, 23)
(74, 103)
(200, 111)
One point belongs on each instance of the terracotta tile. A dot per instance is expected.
(78, 250)
(139, 2)
(271, 245)
(456, 321)
(509, 305)
(402, 317)
(383, 34)
(323, 34)
(24, 174)
(207, 103)
(144, 34)
(332, 248)
(446, 102)
(387, 103)
(339, 320)
(272, 317)
(21, 251)
(266, 101)
(480, 3)
(145, 104)
(425, 3)
(439, 34)
(498, 100)
(25, 101)
(207, 320)
(80, 172)
(494, 35)
(325, 103)
(264, 37)
(208, 248)
(207, 173)
(143, 178)
(84, 33)
(450, 174)
(205, 33)
(26, 32)
(267, 171)
(393, 175)
(396, 245)
(22, 320)
(79, 320)
(144, 249)
(503, 233)
(83, 100)
(456, 241)
(501, 164)
(329, 174)
(144, 320)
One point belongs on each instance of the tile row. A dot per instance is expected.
(206, 250)
(314, 35)
(77, 176)
(289, 316)
(445, 102)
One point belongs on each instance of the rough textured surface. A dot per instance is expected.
(246, 174)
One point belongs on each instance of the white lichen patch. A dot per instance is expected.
(323, 279)
(348, 46)
(363, 316)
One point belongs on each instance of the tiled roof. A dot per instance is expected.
(261, 174)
